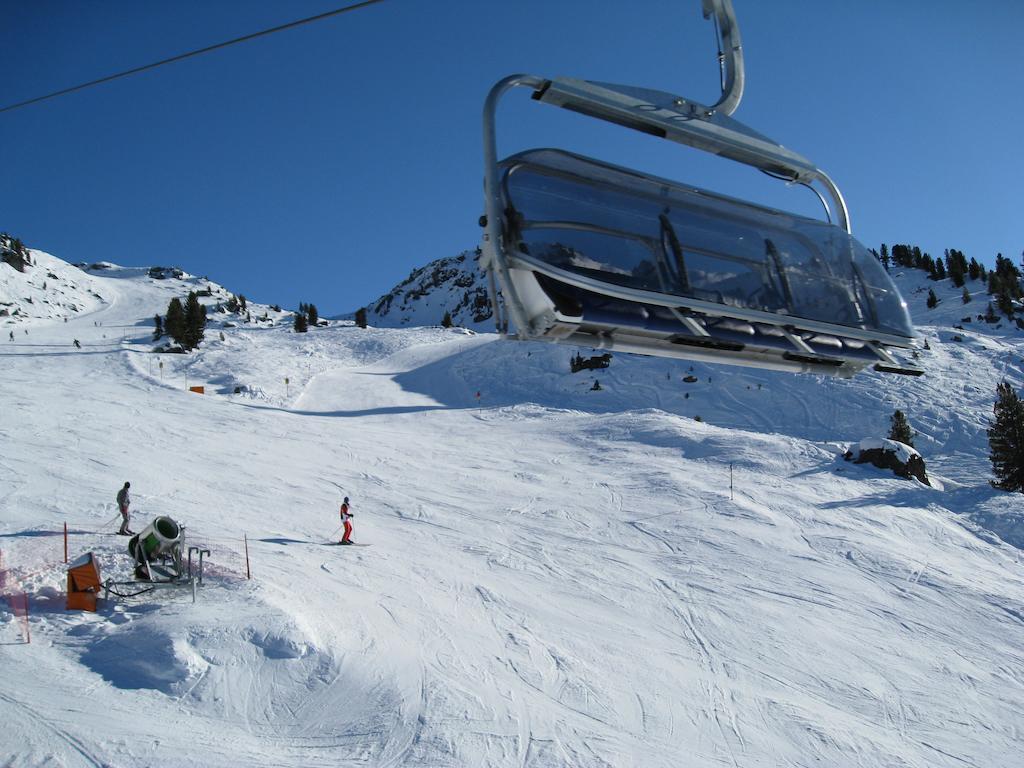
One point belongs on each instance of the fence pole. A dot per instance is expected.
(730, 481)
(65, 541)
(248, 573)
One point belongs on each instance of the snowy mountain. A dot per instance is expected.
(555, 576)
(455, 285)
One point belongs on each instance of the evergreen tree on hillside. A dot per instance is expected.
(1005, 302)
(884, 256)
(446, 321)
(1006, 439)
(939, 270)
(312, 316)
(243, 302)
(956, 266)
(966, 296)
(974, 269)
(233, 304)
(301, 323)
(158, 330)
(174, 322)
(195, 321)
(902, 255)
(899, 429)
(361, 317)
(933, 300)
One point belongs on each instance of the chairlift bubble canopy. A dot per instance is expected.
(592, 254)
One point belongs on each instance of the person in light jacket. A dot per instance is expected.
(123, 500)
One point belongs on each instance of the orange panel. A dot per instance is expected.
(85, 573)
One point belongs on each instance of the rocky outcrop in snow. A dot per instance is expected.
(903, 460)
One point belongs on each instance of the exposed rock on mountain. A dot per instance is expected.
(455, 285)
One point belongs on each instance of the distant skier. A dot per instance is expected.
(346, 516)
(12, 335)
(78, 344)
(123, 500)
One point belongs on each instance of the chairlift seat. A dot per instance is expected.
(606, 256)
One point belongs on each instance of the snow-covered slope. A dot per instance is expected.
(47, 289)
(556, 575)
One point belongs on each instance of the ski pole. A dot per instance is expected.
(109, 522)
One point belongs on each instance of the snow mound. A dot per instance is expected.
(137, 657)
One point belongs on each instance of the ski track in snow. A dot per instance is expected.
(558, 577)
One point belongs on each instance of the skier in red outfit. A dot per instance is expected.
(346, 516)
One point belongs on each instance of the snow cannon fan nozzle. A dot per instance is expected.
(157, 550)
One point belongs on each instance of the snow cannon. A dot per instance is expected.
(157, 550)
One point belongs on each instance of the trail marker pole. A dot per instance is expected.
(161, 370)
(65, 541)
(286, 386)
(730, 481)
(245, 539)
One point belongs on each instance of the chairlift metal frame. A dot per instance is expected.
(765, 339)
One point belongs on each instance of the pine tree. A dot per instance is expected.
(174, 323)
(242, 302)
(885, 257)
(301, 323)
(158, 330)
(312, 315)
(974, 269)
(1006, 440)
(234, 304)
(933, 300)
(1005, 302)
(446, 321)
(956, 266)
(361, 317)
(899, 429)
(919, 258)
(966, 296)
(993, 283)
(195, 321)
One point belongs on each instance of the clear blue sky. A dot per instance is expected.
(323, 163)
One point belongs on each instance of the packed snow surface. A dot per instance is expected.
(554, 576)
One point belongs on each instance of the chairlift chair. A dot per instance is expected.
(592, 254)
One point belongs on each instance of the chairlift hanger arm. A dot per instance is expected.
(670, 117)
(730, 54)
